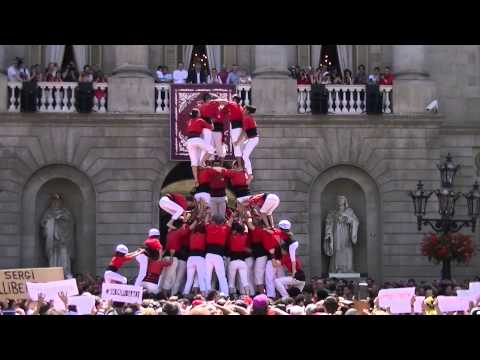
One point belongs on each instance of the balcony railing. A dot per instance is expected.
(57, 96)
(344, 99)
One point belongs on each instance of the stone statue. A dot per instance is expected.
(57, 228)
(340, 235)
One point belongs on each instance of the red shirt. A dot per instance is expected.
(118, 261)
(237, 178)
(196, 241)
(234, 110)
(256, 235)
(248, 123)
(174, 238)
(387, 80)
(217, 179)
(216, 234)
(178, 199)
(195, 126)
(288, 263)
(238, 243)
(205, 174)
(209, 109)
(270, 241)
(304, 81)
(257, 200)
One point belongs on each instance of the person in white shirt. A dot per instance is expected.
(159, 74)
(180, 75)
(17, 71)
(214, 78)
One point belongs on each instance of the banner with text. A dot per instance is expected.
(12, 281)
(399, 299)
(51, 289)
(122, 293)
(183, 98)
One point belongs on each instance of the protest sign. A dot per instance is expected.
(51, 289)
(452, 303)
(84, 303)
(12, 281)
(398, 300)
(469, 294)
(417, 308)
(122, 293)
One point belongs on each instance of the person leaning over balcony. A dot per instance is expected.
(180, 75)
(303, 78)
(361, 77)
(387, 78)
(214, 77)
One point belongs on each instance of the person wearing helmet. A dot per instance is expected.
(120, 257)
(290, 244)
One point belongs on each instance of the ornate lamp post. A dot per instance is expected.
(446, 206)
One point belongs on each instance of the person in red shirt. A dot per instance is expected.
(218, 195)
(271, 241)
(121, 257)
(210, 112)
(258, 251)
(295, 279)
(387, 78)
(264, 204)
(233, 111)
(238, 251)
(217, 233)
(251, 133)
(239, 182)
(176, 205)
(202, 191)
(199, 141)
(196, 266)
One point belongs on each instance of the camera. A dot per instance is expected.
(433, 106)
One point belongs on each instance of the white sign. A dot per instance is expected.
(474, 286)
(51, 289)
(417, 308)
(452, 303)
(468, 294)
(122, 293)
(399, 299)
(84, 303)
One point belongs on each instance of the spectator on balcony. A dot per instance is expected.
(36, 73)
(86, 75)
(167, 75)
(387, 77)
(223, 74)
(233, 76)
(70, 74)
(100, 93)
(361, 77)
(214, 77)
(180, 75)
(336, 78)
(317, 75)
(347, 77)
(303, 78)
(95, 71)
(375, 77)
(244, 78)
(197, 75)
(17, 71)
(159, 74)
(326, 78)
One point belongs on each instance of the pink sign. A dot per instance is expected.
(452, 303)
(398, 300)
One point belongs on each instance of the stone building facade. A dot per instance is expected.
(112, 165)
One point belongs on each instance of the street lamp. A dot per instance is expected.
(447, 199)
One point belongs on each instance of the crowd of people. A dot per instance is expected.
(330, 75)
(197, 75)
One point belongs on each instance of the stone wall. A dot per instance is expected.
(125, 158)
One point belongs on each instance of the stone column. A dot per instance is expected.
(131, 88)
(412, 88)
(273, 92)
(3, 81)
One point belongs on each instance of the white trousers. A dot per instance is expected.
(196, 268)
(171, 207)
(112, 276)
(271, 203)
(150, 287)
(197, 147)
(217, 143)
(241, 267)
(259, 270)
(203, 196)
(235, 136)
(242, 199)
(168, 275)
(180, 277)
(214, 261)
(247, 149)
(250, 261)
(271, 273)
(282, 283)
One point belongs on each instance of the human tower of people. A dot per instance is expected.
(240, 250)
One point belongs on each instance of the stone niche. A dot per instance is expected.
(363, 197)
(79, 197)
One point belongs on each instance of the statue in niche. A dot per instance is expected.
(340, 235)
(57, 229)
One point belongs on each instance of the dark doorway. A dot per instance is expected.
(68, 56)
(329, 57)
(199, 55)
